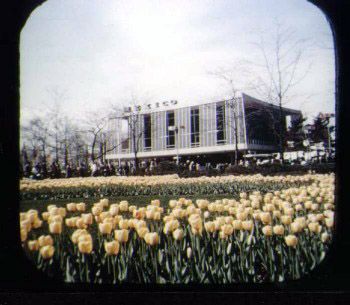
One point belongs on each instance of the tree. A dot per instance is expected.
(319, 132)
(136, 128)
(230, 79)
(37, 134)
(296, 134)
(281, 72)
(95, 126)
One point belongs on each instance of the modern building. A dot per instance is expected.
(211, 131)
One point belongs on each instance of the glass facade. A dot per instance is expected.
(195, 127)
(220, 124)
(170, 121)
(147, 132)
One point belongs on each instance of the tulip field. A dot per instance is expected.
(167, 229)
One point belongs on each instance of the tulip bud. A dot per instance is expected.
(104, 202)
(140, 224)
(123, 224)
(237, 225)
(308, 205)
(114, 209)
(247, 225)
(172, 203)
(278, 230)
(24, 235)
(291, 240)
(189, 252)
(47, 251)
(50, 206)
(112, 248)
(243, 195)
(55, 218)
(267, 230)
(141, 232)
(45, 215)
(242, 215)
(276, 214)
(81, 207)
(96, 210)
(55, 227)
(105, 228)
(329, 222)
(178, 234)
(80, 224)
(301, 221)
(298, 207)
(37, 223)
(124, 206)
(33, 245)
(71, 207)
(314, 207)
(325, 237)
(85, 247)
(87, 218)
(314, 227)
(229, 248)
(76, 235)
(150, 214)
(26, 225)
(32, 215)
(265, 217)
(286, 219)
(156, 215)
(70, 222)
(289, 211)
(151, 238)
(209, 226)
(45, 240)
(155, 202)
(295, 227)
(121, 236)
(84, 238)
(227, 229)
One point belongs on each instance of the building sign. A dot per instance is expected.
(157, 105)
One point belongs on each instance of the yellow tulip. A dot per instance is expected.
(33, 245)
(121, 235)
(178, 234)
(112, 247)
(55, 227)
(151, 238)
(47, 251)
(291, 240)
(85, 247)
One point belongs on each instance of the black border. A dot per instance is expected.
(20, 282)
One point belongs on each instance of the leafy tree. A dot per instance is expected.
(320, 132)
(295, 133)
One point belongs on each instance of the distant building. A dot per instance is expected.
(206, 131)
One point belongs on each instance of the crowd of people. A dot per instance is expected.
(40, 170)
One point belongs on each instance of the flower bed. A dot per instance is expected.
(155, 185)
(259, 236)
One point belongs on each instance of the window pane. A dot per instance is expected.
(170, 121)
(195, 127)
(220, 124)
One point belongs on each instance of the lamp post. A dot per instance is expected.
(176, 129)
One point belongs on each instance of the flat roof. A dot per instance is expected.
(240, 95)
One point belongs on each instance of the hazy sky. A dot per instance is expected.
(98, 52)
